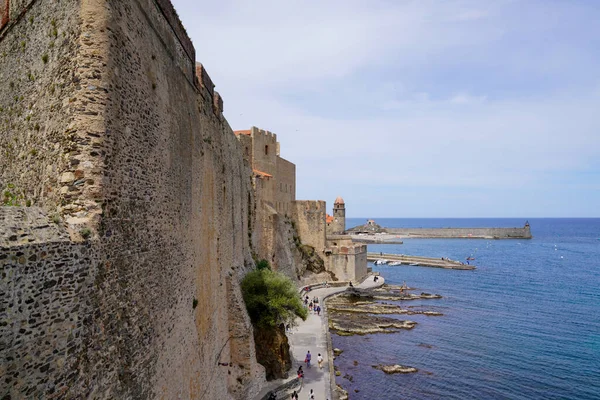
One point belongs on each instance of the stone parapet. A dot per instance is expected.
(178, 29)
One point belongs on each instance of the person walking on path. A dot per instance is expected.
(311, 335)
(311, 395)
(307, 359)
(294, 396)
(320, 360)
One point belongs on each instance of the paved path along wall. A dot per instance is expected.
(313, 335)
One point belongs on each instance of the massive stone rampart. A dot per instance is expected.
(136, 165)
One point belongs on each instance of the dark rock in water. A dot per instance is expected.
(349, 377)
(427, 346)
(430, 296)
(355, 362)
(337, 351)
(395, 369)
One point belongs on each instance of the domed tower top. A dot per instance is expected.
(339, 200)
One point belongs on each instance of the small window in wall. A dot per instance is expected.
(266, 149)
(247, 151)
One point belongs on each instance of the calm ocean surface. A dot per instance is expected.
(524, 325)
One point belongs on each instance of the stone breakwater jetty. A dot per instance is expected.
(373, 231)
(404, 259)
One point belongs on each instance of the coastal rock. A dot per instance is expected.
(337, 351)
(403, 297)
(430, 296)
(342, 394)
(395, 369)
(358, 293)
(376, 308)
(392, 288)
(347, 324)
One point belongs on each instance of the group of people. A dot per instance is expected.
(313, 305)
(300, 372)
(307, 360)
(311, 395)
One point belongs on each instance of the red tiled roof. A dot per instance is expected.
(328, 218)
(243, 132)
(262, 174)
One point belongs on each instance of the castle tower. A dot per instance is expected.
(339, 216)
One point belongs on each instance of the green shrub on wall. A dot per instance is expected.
(263, 264)
(271, 298)
(11, 196)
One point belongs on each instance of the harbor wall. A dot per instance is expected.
(470, 233)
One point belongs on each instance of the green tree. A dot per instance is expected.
(271, 298)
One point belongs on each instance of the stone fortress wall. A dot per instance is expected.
(285, 189)
(274, 180)
(262, 151)
(342, 257)
(122, 278)
(346, 259)
(309, 217)
(137, 294)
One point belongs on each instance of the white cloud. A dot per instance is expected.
(408, 124)
(465, 98)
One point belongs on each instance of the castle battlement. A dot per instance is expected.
(311, 205)
(263, 132)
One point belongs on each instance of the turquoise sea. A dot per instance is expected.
(524, 325)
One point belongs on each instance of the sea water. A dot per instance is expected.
(524, 325)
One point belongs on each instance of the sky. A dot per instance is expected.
(417, 108)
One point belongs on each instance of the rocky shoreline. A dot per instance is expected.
(362, 312)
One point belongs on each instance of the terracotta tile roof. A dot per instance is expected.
(261, 174)
(244, 132)
(328, 218)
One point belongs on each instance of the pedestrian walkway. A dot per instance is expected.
(312, 335)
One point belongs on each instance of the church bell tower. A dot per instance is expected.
(339, 216)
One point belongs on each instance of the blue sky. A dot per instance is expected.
(421, 108)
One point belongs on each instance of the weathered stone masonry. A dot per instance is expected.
(130, 143)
